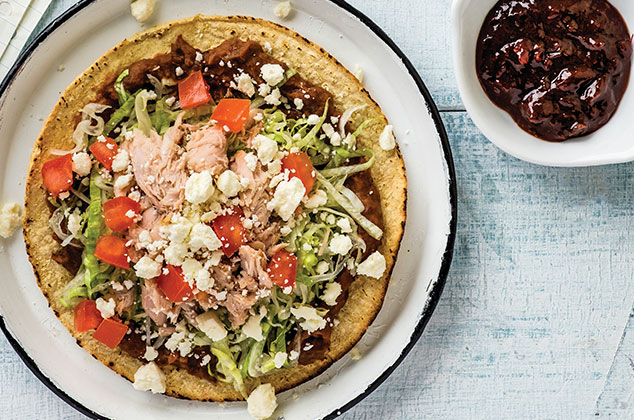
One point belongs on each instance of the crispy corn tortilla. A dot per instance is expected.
(314, 64)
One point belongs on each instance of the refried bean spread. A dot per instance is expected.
(558, 67)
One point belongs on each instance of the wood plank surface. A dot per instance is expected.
(535, 321)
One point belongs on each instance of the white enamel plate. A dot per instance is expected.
(89, 29)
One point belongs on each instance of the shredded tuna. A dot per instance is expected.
(124, 300)
(189, 311)
(207, 151)
(154, 302)
(256, 196)
(223, 276)
(159, 166)
(238, 306)
(254, 263)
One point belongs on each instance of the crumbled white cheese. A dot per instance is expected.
(229, 183)
(328, 129)
(344, 225)
(175, 253)
(373, 266)
(203, 236)
(273, 74)
(123, 181)
(335, 139)
(147, 268)
(178, 71)
(121, 161)
(262, 403)
(318, 199)
(274, 97)
(283, 9)
(105, 307)
(149, 378)
(199, 187)
(245, 84)
(211, 326)
(386, 139)
(74, 222)
(266, 148)
(251, 161)
(264, 89)
(299, 104)
(10, 218)
(322, 267)
(252, 327)
(275, 167)
(177, 230)
(288, 195)
(280, 359)
(199, 57)
(313, 119)
(293, 355)
(142, 9)
(81, 163)
(331, 293)
(340, 244)
(150, 353)
(312, 320)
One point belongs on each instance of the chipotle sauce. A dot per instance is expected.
(558, 67)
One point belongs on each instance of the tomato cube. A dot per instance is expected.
(232, 113)
(104, 152)
(282, 269)
(193, 91)
(113, 250)
(86, 316)
(120, 212)
(110, 332)
(230, 231)
(57, 175)
(174, 285)
(300, 166)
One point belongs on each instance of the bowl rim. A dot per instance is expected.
(437, 286)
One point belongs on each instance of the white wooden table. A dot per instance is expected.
(534, 320)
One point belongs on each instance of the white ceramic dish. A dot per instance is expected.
(91, 28)
(611, 144)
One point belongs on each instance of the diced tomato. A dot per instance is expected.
(232, 113)
(282, 269)
(174, 285)
(87, 317)
(300, 166)
(110, 332)
(57, 175)
(230, 230)
(112, 250)
(105, 151)
(116, 213)
(193, 91)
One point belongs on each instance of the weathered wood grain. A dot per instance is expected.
(539, 297)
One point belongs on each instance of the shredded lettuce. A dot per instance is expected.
(141, 111)
(226, 365)
(124, 111)
(118, 87)
(94, 227)
(372, 229)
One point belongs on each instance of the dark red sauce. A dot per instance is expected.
(558, 67)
